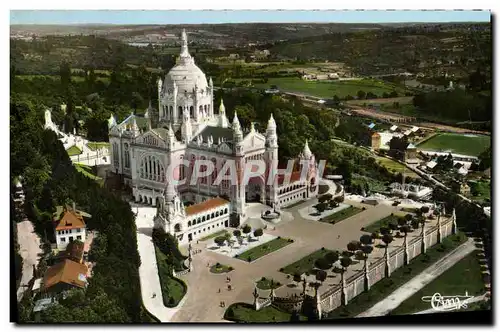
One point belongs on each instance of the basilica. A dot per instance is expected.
(186, 127)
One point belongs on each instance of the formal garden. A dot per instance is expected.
(267, 283)
(264, 249)
(245, 313)
(218, 268)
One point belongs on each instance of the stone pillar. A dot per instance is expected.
(367, 277)
(454, 218)
(387, 264)
(343, 295)
(406, 254)
(439, 235)
(318, 304)
(424, 244)
(256, 304)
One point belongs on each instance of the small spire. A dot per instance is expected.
(271, 124)
(222, 108)
(307, 152)
(210, 82)
(252, 127)
(170, 191)
(170, 131)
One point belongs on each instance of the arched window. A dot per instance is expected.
(171, 112)
(116, 159)
(191, 111)
(203, 168)
(198, 220)
(203, 218)
(200, 110)
(225, 210)
(151, 168)
(189, 223)
(214, 173)
(126, 155)
(182, 169)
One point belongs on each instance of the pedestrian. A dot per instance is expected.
(218, 291)
(338, 237)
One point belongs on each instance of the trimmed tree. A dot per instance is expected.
(332, 257)
(353, 246)
(258, 232)
(366, 239)
(297, 277)
(219, 240)
(237, 233)
(321, 275)
(247, 229)
(387, 239)
(322, 263)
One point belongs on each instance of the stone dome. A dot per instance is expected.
(186, 76)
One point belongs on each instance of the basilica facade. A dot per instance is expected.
(185, 129)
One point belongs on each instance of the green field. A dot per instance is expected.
(245, 313)
(327, 89)
(73, 151)
(464, 276)
(172, 290)
(305, 264)
(97, 145)
(341, 215)
(395, 167)
(263, 249)
(471, 145)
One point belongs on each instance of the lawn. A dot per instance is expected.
(386, 286)
(395, 167)
(384, 222)
(172, 289)
(305, 264)
(481, 190)
(263, 249)
(472, 145)
(97, 145)
(341, 215)
(219, 268)
(327, 89)
(87, 171)
(464, 276)
(265, 283)
(245, 313)
(208, 237)
(73, 151)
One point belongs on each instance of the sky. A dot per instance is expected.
(239, 16)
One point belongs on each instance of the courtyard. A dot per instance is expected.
(206, 290)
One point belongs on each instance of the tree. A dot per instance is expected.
(402, 221)
(258, 232)
(322, 263)
(384, 230)
(332, 257)
(297, 277)
(321, 207)
(387, 239)
(361, 94)
(424, 209)
(353, 246)
(247, 229)
(220, 240)
(366, 239)
(237, 233)
(321, 275)
(393, 226)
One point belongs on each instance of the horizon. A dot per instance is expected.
(195, 17)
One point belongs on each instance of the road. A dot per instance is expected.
(404, 292)
(29, 249)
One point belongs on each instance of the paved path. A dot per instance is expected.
(29, 244)
(148, 270)
(391, 302)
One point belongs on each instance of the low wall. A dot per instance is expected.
(354, 285)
